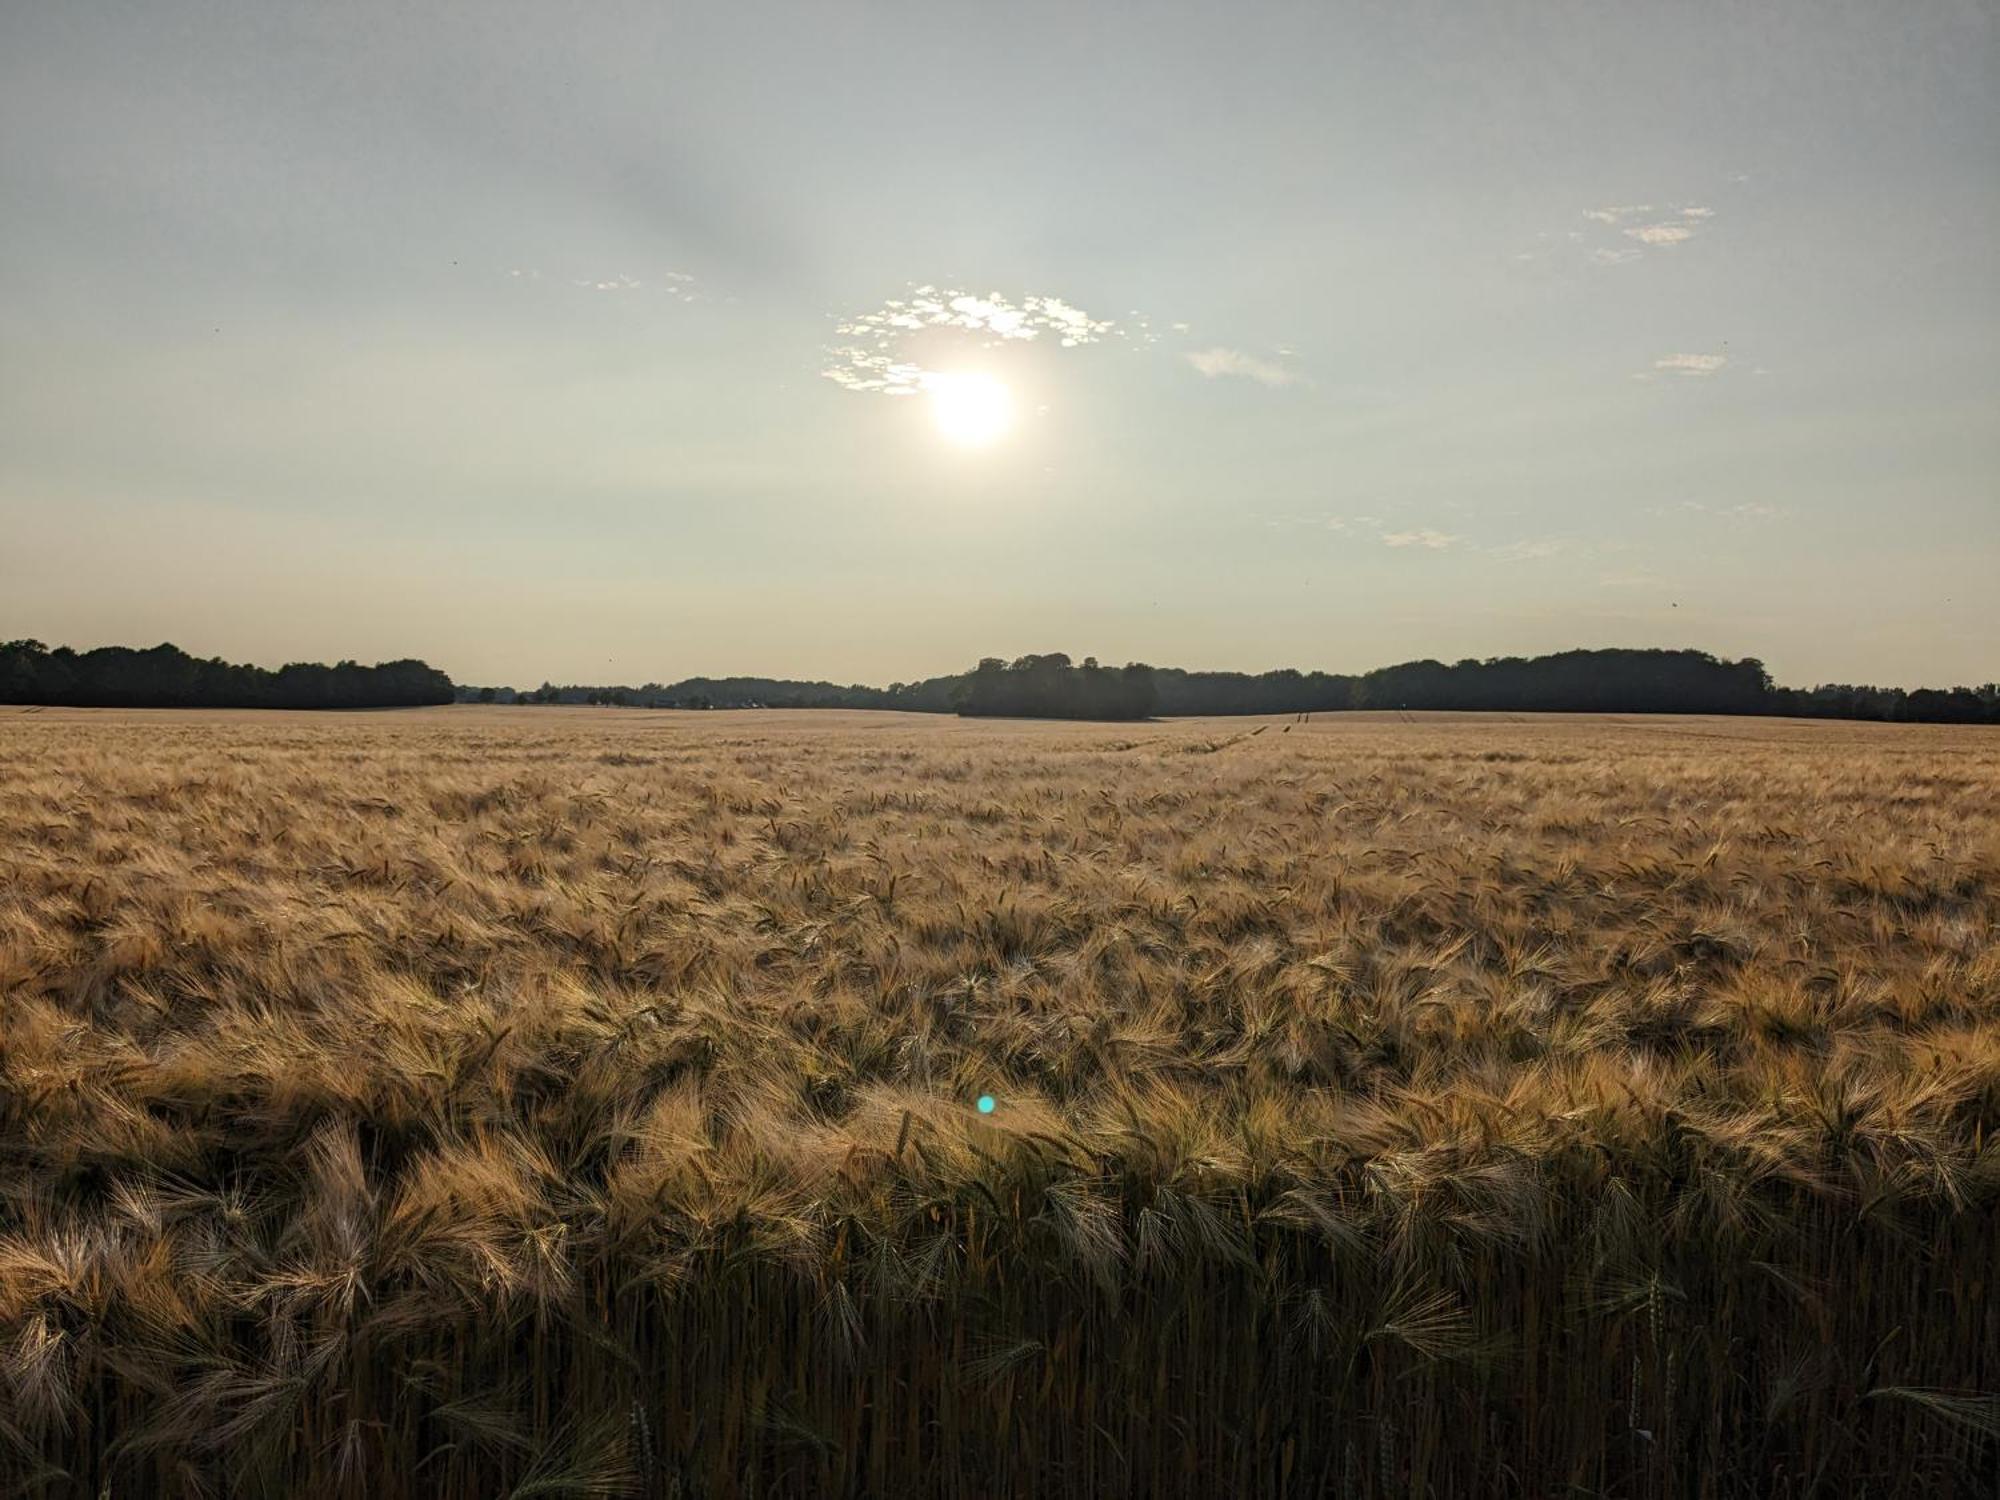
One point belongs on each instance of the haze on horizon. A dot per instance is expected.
(859, 341)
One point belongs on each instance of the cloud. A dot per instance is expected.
(1613, 215)
(993, 315)
(1748, 510)
(874, 360)
(1430, 539)
(859, 370)
(1219, 361)
(1529, 550)
(677, 284)
(1655, 228)
(1436, 541)
(1691, 364)
(1660, 234)
(1312, 520)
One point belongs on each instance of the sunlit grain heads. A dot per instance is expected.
(609, 1070)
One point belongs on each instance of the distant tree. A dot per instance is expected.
(164, 676)
(1050, 687)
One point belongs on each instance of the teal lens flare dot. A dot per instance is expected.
(986, 1104)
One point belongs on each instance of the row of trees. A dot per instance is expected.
(1959, 705)
(1046, 686)
(1052, 687)
(167, 677)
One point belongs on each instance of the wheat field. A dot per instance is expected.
(477, 1101)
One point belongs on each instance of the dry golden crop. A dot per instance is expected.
(482, 1101)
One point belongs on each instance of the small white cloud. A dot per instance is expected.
(1528, 551)
(1748, 510)
(1655, 228)
(1436, 541)
(678, 284)
(1219, 362)
(1661, 234)
(1316, 520)
(1613, 215)
(1179, 327)
(1691, 364)
(872, 362)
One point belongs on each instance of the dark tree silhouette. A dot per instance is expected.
(1046, 686)
(167, 677)
(1050, 687)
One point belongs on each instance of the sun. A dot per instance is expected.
(971, 409)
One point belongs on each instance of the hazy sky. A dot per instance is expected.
(563, 341)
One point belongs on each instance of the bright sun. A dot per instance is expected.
(970, 409)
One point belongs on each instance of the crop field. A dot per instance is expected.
(480, 1101)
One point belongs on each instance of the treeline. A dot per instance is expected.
(1583, 681)
(167, 677)
(1044, 686)
(1051, 687)
(1959, 705)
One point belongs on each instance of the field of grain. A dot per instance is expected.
(482, 1101)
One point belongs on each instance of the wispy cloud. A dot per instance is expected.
(876, 358)
(1660, 234)
(1432, 539)
(1748, 510)
(1219, 362)
(1312, 520)
(680, 285)
(1436, 541)
(1650, 226)
(1532, 549)
(1613, 215)
(1691, 364)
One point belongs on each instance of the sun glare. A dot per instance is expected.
(970, 409)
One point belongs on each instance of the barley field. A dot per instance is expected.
(483, 1102)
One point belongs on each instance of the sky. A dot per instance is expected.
(627, 342)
